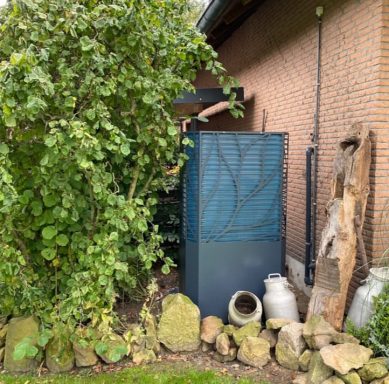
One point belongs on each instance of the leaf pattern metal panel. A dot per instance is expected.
(234, 187)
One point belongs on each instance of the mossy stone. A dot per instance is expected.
(84, 353)
(373, 369)
(250, 329)
(60, 354)
(20, 328)
(115, 348)
(351, 378)
(179, 327)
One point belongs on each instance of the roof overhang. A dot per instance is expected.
(222, 17)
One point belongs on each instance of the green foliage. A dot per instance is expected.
(375, 334)
(25, 349)
(86, 129)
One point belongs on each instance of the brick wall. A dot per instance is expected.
(273, 54)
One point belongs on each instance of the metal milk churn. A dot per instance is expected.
(279, 301)
(362, 308)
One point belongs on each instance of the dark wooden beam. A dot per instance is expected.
(208, 96)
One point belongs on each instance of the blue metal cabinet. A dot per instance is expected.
(233, 215)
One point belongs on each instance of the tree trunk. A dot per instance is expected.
(338, 247)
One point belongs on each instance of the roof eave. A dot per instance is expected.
(212, 13)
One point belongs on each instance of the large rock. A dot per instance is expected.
(223, 344)
(342, 338)
(276, 324)
(305, 359)
(373, 369)
(112, 348)
(345, 357)
(59, 354)
(2, 353)
(211, 328)
(21, 328)
(179, 327)
(290, 346)
(3, 335)
(318, 333)
(333, 380)
(250, 329)
(84, 354)
(231, 356)
(384, 380)
(318, 371)
(351, 378)
(254, 351)
(145, 356)
(269, 335)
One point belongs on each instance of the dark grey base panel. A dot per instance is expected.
(212, 272)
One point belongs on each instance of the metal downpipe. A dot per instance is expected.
(308, 217)
(312, 203)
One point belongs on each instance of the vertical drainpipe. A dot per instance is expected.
(312, 153)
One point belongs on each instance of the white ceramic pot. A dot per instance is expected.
(244, 307)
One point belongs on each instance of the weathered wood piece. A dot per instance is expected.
(338, 247)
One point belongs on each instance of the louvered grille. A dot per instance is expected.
(233, 187)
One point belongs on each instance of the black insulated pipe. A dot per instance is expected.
(308, 275)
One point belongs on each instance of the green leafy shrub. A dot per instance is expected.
(375, 334)
(86, 129)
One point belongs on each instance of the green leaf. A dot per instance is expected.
(44, 337)
(49, 253)
(118, 353)
(101, 348)
(10, 102)
(10, 121)
(148, 98)
(50, 141)
(25, 349)
(4, 150)
(44, 160)
(172, 131)
(62, 240)
(227, 89)
(49, 232)
(32, 351)
(142, 225)
(162, 142)
(125, 149)
(50, 200)
(19, 353)
(36, 208)
(86, 43)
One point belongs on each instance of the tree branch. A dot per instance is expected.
(148, 182)
(134, 182)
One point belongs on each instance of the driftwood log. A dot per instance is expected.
(345, 216)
